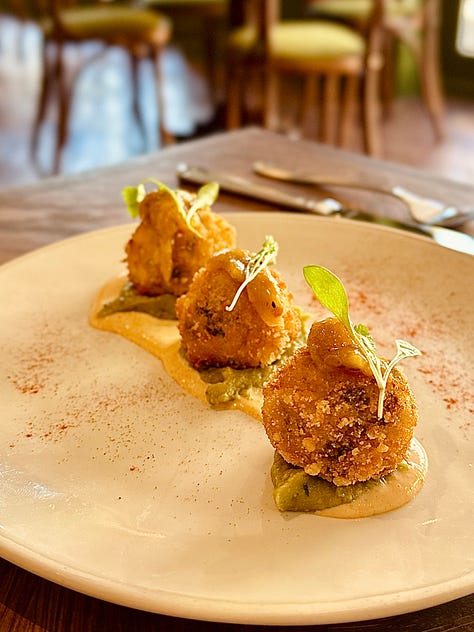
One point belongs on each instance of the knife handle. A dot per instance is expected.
(239, 186)
(244, 188)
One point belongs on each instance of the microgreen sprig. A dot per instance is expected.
(264, 257)
(330, 292)
(134, 195)
(206, 196)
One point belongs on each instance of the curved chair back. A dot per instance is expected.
(340, 57)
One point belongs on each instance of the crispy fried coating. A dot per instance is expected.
(261, 326)
(164, 253)
(320, 411)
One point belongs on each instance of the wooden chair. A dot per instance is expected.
(210, 16)
(331, 57)
(415, 23)
(141, 33)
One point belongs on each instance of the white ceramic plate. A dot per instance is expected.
(115, 483)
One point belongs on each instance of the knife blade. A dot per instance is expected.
(237, 185)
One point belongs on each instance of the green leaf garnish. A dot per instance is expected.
(206, 196)
(330, 292)
(264, 257)
(132, 197)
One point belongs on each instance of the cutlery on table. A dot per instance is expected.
(423, 210)
(240, 186)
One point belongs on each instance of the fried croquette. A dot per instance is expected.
(254, 333)
(320, 411)
(164, 252)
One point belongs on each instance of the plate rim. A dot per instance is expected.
(187, 606)
(229, 214)
(174, 604)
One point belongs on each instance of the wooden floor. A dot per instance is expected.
(103, 130)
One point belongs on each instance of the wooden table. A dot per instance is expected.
(57, 208)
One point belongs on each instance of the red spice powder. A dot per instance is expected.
(34, 368)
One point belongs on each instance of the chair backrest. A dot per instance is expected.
(22, 9)
(261, 15)
(375, 33)
(431, 14)
(35, 9)
(264, 14)
(45, 10)
(424, 21)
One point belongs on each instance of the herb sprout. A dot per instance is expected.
(330, 292)
(134, 195)
(264, 257)
(206, 196)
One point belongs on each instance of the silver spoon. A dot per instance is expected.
(423, 210)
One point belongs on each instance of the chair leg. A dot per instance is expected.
(388, 73)
(64, 105)
(210, 27)
(348, 110)
(44, 93)
(165, 137)
(433, 98)
(135, 77)
(371, 112)
(234, 97)
(423, 42)
(271, 88)
(431, 79)
(309, 106)
(329, 116)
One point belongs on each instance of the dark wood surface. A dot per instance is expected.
(39, 214)
(55, 208)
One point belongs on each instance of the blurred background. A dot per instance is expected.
(195, 70)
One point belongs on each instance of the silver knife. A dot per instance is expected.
(237, 185)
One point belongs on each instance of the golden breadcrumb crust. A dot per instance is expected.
(323, 418)
(163, 254)
(255, 333)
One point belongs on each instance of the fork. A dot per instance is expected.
(423, 210)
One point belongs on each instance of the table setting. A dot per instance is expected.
(125, 502)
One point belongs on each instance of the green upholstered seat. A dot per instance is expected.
(299, 40)
(360, 9)
(103, 22)
(336, 63)
(187, 3)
